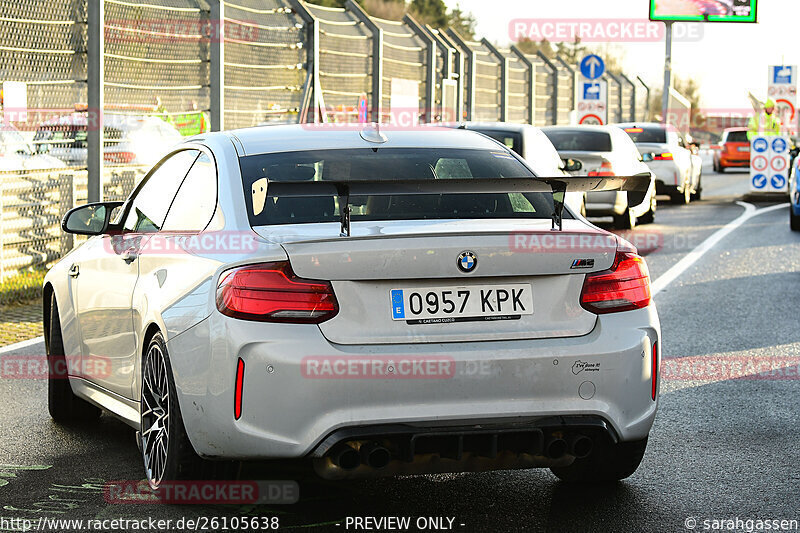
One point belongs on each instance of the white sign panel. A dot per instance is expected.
(404, 102)
(15, 101)
(592, 101)
(769, 164)
(782, 87)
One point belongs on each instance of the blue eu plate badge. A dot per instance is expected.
(398, 307)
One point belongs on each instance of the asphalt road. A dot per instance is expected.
(721, 448)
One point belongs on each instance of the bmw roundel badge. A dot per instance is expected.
(467, 261)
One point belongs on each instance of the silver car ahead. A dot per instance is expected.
(606, 151)
(371, 303)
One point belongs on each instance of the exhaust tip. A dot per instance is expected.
(581, 446)
(375, 455)
(345, 457)
(555, 448)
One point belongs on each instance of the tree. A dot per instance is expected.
(432, 12)
(462, 23)
(527, 46)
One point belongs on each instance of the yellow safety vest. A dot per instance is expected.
(763, 124)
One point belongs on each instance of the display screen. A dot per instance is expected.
(704, 10)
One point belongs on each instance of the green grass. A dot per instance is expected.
(22, 287)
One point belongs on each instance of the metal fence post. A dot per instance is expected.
(456, 72)
(217, 66)
(94, 81)
(619, 104)
(503, 78)
(430, 67)
(632, 103)
(554, 77)
(310, 103)
(647, 102)
(470, 81)
(531, 83)
(573, 76)
(377, 58)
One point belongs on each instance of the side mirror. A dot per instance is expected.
(647, 157)
(89, 219)
(571, 165)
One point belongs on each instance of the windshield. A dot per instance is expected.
(387, 164)
(575, 140)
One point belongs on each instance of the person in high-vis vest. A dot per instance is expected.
(766, 123)
(193, 122)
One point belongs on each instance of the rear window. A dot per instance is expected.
(579, 141)
(646, 135)
(387, 164)
(737, 137)
(513, 141)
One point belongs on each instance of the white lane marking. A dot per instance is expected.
(691, 258)
(21, 344)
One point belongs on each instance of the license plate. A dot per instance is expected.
(743, 148)
(438, 305)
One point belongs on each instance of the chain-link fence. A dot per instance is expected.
(181, 67)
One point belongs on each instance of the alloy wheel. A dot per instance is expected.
(155, 415)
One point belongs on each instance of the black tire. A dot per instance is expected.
(794, 220)
(64, 406)
(608, 463)
(650, 216)
(180, 461)
(626, 220)
(721, 169)
(715, 166)
(698, 193)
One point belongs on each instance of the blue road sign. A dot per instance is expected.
(592, 67)
(779, 146)
(782, 75)
(778, 181)
(759, 181)
(591, 91)
(760, 145)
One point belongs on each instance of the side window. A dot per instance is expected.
(196, 199)
(150, 205)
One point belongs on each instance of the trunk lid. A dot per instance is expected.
(422, 257)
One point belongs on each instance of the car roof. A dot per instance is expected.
(727, 130)
(658, 125)
(579, 127)
(496, 126)
(295, 137)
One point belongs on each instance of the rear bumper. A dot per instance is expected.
(667, 172)
(734, 161)
(600, 204)
(287, 412)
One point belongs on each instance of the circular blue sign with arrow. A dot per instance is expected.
(759, 181)
(778, 181)
(592, 67)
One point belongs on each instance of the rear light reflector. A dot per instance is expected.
(271, 292)
(237, 397)
(605, 170)
(624, 287)
(666, 156)
(654, 371)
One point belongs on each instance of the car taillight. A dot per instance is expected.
(605, 170)
(666, 156)
(271, 292)
(623, 287)
(119, 157)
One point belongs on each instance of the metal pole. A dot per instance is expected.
(377, 57)
(94, 81)
(469, 59)
(501, 57)
(531, 100)
(554, 77)
(667, 75)
(646, 116)
(217, 67)
(430, 67)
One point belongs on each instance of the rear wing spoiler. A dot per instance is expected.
(556, 186)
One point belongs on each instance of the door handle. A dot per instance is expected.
(129, 255)
(74, 270)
